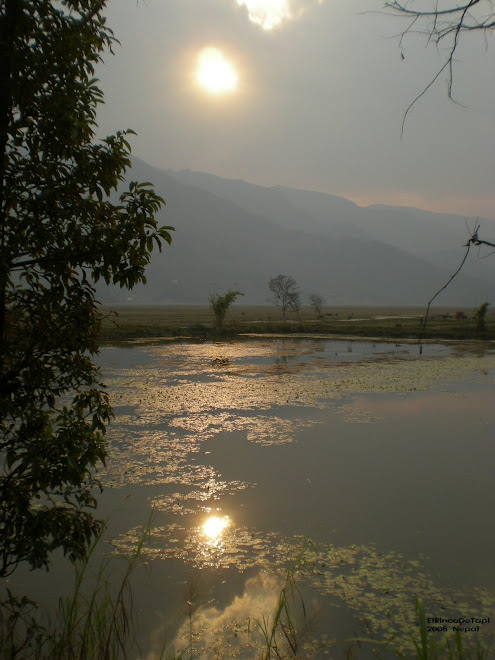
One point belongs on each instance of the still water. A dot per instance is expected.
(381, 458)
(367, 465)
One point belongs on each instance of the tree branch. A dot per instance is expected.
(473, 240)
(468, 247)
(397, 6)
(440, 24)
(92, 13)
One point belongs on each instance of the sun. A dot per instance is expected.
(215, 73)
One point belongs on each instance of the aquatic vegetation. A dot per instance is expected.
(379, 587)
(166, 409)
(187, 406)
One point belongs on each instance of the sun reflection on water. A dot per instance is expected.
(213, 528)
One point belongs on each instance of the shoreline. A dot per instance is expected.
(229, 338)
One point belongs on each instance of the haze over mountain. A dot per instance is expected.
(233, 234)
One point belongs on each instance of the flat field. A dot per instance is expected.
(133, 321)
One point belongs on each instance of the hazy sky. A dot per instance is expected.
(318, 102)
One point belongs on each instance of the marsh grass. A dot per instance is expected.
(432, 647)
(286, 629)
(288, 632)
(93, 622)
(98, 624)
(191, 598)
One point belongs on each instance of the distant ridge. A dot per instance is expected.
(235, 234)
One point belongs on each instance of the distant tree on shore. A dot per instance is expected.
(316, 301)
(220, 305)
(480, 317)
(285, 293)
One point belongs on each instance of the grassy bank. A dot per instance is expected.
(134, 321)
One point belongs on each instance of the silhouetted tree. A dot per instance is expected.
(220, 305)
(285, 293)
(59, 233)
(316, 301)
(480, 317)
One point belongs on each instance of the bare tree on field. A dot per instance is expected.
(285, 293)
(316, 303)
(443, 23)
(296, 304)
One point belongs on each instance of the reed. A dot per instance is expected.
(93, 621)
(285, 630)
(432, 647)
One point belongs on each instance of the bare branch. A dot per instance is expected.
(414, 101)
(473, 240)
(468, 247)
(479, 241)
(488, 255)
(438, 25)
(397, 6)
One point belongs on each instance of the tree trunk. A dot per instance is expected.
(8, 28)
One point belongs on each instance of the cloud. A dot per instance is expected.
(227, 631)
(270, 14)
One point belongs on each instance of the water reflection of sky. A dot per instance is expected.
(380, 456)
(261, 351)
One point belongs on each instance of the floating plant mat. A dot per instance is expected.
(380, 588)
(166, 407)
(197, 383)
(386, 448)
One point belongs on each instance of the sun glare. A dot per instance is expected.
(213, 527)
(215, 73)
(267, 13)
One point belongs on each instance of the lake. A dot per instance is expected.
(366, 467)
(382, 458)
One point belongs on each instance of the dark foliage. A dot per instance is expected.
(59, 232)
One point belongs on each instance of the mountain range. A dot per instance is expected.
(231, 234)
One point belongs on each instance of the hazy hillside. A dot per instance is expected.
(435, 237)
(234, 234)
(320, 213)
